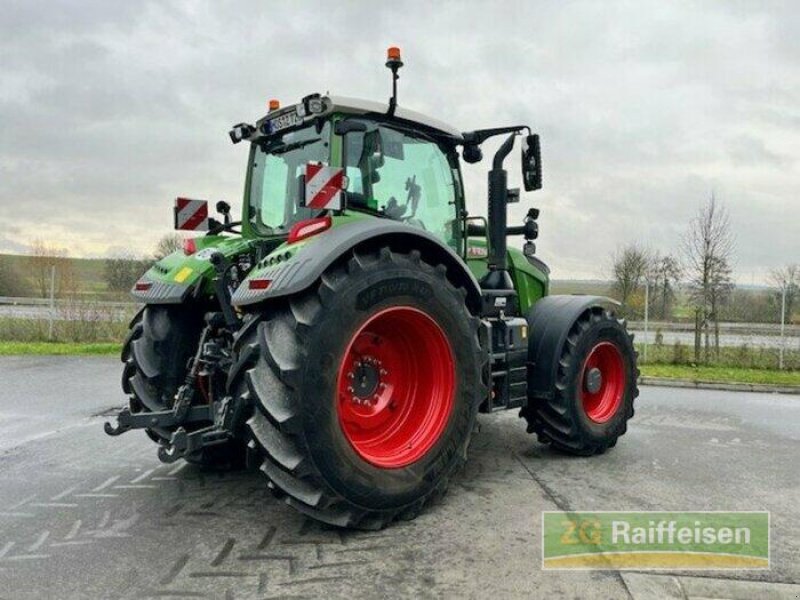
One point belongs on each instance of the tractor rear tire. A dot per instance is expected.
(595, 387)
(156, 352)
(365, 389)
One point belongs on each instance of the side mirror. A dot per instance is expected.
(224, 209)
(472, 153)
(531, 163)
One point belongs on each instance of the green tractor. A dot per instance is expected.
(344, 334)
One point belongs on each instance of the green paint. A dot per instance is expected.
(530, 283)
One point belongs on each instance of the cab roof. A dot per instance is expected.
(357, 106)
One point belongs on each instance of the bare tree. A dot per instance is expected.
(43, 258)
(167, 245)
(787, 277)
(708, 248)
(663, 273)
(629, 266)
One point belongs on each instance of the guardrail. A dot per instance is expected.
(18, 301)
(726, 327)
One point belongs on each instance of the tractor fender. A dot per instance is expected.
(549, 323)
(301, 268)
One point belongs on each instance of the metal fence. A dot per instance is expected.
(758, 345)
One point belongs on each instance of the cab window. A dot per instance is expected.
(406, 177)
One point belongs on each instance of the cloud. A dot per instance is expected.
(108, 111)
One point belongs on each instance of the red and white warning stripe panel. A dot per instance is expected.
(191, 215)
(324, 186)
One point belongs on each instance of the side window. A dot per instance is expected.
(274, 174)
(407, 177)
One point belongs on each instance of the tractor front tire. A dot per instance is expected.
(365, 389)
(596, 384)
(156, 352)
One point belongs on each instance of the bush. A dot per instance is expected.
(680, 355)
(11, 282)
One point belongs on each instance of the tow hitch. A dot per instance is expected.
(199, 401)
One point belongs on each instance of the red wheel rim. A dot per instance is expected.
(602, 382)
(396, 387)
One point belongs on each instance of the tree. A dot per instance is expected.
(708, 249)
(662, 274)
(11, 282)
(629, 269)
(45, 257)
(121, 273)
(167, 245)
(787, 277)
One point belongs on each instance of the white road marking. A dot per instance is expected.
(65, 493)
(105, 484)
(5, 550)
(97, 495)
(140, 486)
(143, 476)
(21, 502)
(74, 530)
(177, 469)
(39, 541)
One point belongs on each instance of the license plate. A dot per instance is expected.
(290, 119)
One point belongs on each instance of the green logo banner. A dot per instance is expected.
(655, 540)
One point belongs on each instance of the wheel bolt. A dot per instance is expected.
(384, 372)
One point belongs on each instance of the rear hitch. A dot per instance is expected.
(126, 420)
(183, 444)
(226, 415)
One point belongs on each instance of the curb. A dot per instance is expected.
(727, 387)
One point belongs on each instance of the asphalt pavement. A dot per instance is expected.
(83, 515)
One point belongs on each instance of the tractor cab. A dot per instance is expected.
(402, 167)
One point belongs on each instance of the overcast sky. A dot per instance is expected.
(108, 110)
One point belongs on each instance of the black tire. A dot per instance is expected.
(563, 422)
(156, 352)
(289, 368)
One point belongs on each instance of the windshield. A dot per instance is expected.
(276, 166)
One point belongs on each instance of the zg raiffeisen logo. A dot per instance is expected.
(655, 540)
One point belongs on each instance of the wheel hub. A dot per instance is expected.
(594, 380)
(365, 380)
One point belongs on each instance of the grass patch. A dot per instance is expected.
(59, 348)
(743, 357)
(722, 374)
